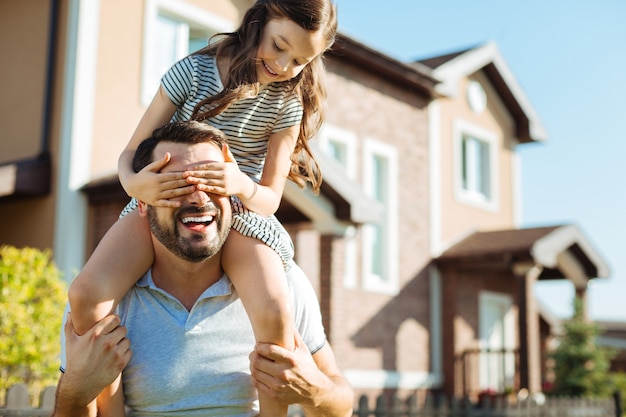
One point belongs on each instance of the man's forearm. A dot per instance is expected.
(333, 401)
(68, 405)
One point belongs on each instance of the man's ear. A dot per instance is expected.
(142, 208)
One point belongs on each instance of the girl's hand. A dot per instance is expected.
(156, 188)
(223, 178)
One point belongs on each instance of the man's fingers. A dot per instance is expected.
(269, 351)
(124, 344)
(107, 324)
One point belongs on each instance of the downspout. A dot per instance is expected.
(50, 73)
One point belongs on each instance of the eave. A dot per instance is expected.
(410, 77)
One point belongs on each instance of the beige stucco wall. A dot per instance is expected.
(118, 107)
(458, 217)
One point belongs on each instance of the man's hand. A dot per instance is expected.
(312, 381)
(289, 376)
(95, 359)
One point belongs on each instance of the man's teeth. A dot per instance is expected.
(203, 219)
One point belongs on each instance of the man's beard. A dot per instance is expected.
(183, 247)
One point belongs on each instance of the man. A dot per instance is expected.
(190, 334)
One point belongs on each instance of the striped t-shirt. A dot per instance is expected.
(247, 123)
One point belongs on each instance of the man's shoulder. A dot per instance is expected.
(299, 284)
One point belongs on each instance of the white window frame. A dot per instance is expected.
(461, 130)
(188, 15)
(350, 277)
(330, 134)
(389, 283)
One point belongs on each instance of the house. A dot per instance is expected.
(413, 245)
(612, 335)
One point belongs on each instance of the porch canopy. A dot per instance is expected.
(558, 252)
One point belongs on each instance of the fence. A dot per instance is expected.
(18, 404)
(491, 407)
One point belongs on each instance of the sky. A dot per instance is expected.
(569, 57)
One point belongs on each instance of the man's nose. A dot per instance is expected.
(199, 198)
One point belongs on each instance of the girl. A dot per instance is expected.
(263, 86)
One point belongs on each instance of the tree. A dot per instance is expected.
(32, 299)
(580, 366)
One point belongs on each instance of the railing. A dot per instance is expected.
(498, 407)
(494, 368)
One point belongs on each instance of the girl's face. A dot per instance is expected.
(285, 49)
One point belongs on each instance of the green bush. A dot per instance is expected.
(581, 368)
(32, 298)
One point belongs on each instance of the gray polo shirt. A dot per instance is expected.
(195, 363)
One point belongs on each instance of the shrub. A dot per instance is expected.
(32, 298)
(581, 368)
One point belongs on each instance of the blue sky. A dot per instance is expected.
(569, 57)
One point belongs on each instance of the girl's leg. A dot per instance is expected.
(123, 255)
(257, 273)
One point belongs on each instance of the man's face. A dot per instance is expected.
(196, 230)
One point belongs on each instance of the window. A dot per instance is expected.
(340, 144)
(172, 30)
(475, 166)
(380, 179)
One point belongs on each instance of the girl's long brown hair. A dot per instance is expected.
(240, 48)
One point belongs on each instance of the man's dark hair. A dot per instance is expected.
(189, 132)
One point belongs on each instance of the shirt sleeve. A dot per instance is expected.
(289, 115)
(308, 316)
(62, 339)
(178, 81)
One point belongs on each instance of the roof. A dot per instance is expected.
(452, 67)
(439, 60)
(413, 77)
(559, 251)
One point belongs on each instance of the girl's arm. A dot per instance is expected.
(149, 185)
(226, 178)
(277, 164)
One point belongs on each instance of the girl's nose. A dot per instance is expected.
(283, 62)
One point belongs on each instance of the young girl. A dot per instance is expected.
(263, 86)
